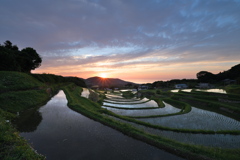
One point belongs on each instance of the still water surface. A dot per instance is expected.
(64, 134)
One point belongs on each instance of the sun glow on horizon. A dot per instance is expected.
(103, 75)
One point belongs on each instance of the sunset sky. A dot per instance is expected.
(134, 40)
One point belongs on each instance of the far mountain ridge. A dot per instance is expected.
(106, 82)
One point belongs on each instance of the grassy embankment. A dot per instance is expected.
(94, 111)
(19, 92)
(233, 89)
(127, 94)
(12, 146)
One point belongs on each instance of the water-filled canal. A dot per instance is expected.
(60, 133)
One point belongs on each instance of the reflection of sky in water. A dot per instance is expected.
(203, 90)
(197, 119)
(122, 102)
(151, 103)
(65, 134)
(85, 93)
(185, 90)
(212, 90)
(213, 140)
(168, 109)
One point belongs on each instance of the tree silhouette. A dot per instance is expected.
(8, 44)
(11, 59)
(30, 59)
(205, 76)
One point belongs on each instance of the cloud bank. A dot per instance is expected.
(129, 39)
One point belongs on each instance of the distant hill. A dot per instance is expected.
(106, 82)
(233, 73)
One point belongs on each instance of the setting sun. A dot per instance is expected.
(103, 75)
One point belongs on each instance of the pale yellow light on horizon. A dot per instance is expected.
(138, 72)
(103, 75)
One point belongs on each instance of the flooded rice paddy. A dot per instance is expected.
(65, 134)
(168, 109)
(211, 140)
(196, 119)
(129, 101)
(147, 104)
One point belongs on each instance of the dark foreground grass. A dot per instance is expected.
(19, 92)
(94, 111)
(12, 146)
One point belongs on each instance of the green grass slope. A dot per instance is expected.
(234, 89)
(18, 92)
(13, 81)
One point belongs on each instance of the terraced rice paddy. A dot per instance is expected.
(196, 120)
(212, 140)
(129, 101)
(147, 104)
(168, 109)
